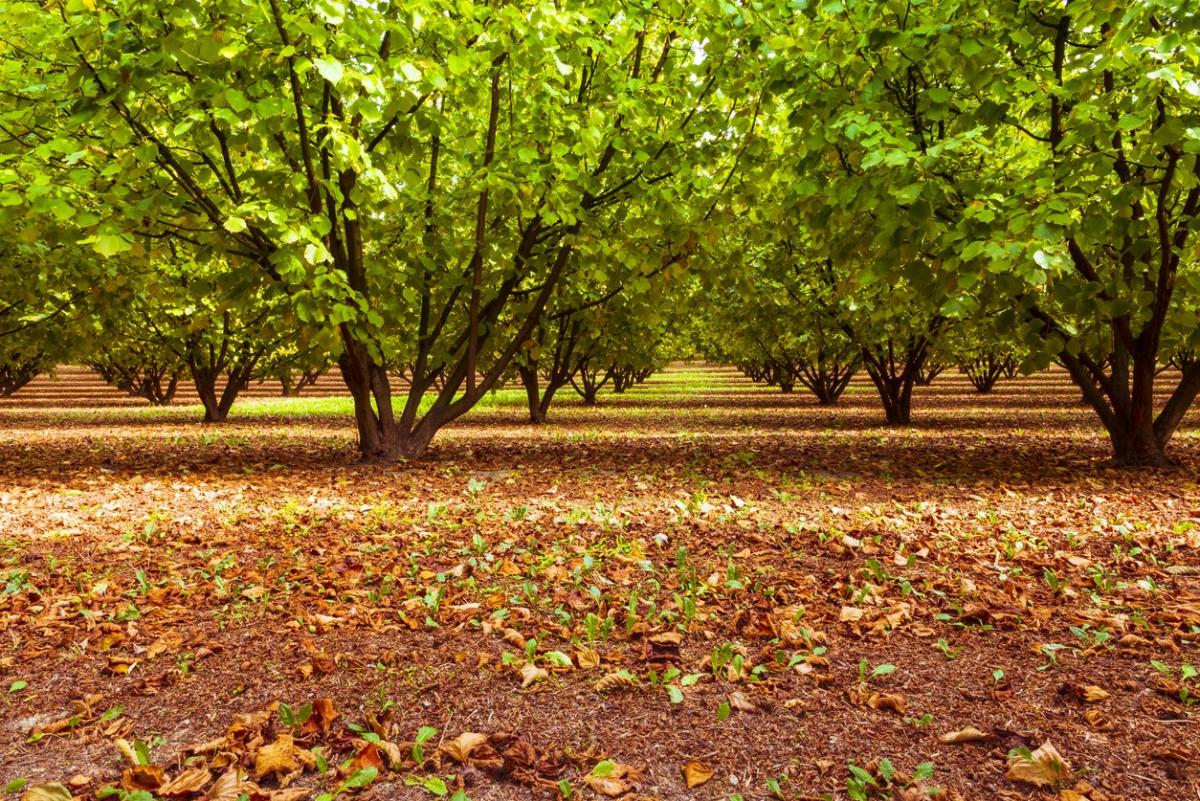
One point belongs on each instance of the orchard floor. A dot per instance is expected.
(774, 590)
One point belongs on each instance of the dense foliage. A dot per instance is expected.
(469, 195)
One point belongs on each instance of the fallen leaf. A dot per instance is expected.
(970, 734)
(738, 701)
(369, 756)
(613, 780)
(190, 781)
(531, 673)
(459, 749)
(613, 681)
(850, 614)
(696, 773)
(47, 792)
(276, 759)
(1089, 693)
(226, 787)
(1045, 767)
(587, 658)
(862, 695)
(143, 777)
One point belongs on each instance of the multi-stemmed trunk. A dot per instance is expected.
(985, 370)
(15, 376)
(1123, 397)
(590, 381)
(931, 370)
(893, 371)
(827, 378)
(537, 398)
(217, 405)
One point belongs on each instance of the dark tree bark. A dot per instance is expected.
(985, 370)
(931, 370)
(893, 370)
(154, 378)
(16, 375)
(827, 378)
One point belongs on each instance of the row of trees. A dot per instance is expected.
(464, 195)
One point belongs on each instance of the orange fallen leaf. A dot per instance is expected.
(696, 773)
(459, 749)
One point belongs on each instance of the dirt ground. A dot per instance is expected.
(698, 571)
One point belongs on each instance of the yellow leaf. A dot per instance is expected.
(278, 758)
(587, 658)
(696, 773)
(47, 792)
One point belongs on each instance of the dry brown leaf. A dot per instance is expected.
(192, 780)
(143, 777)
(531, 674)
(1090, 693)
(739, 701)
(616, 782)
(613, 681)
(696, 773)
(368, 756)
(1045, 767)
(226, 787)
(970, 734)
(290, 794)
(1098, 720)
(324, 713)
(862, 695)
(459, 749)
(47, 792)
(850, 614)
(587, 658)
(277, 759)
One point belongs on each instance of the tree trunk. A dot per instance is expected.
(206, 387)
(896, 395)
(1138, 448)
(533, 399)
(378, 435)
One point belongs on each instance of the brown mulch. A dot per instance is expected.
(159, 578)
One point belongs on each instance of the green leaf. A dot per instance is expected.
(330, 68)
(360, 778)
(109, 245)
(1130, 121)
(17, 686)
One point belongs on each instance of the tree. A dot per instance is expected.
(1044, 149)
(45, 291)
(416, 177)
